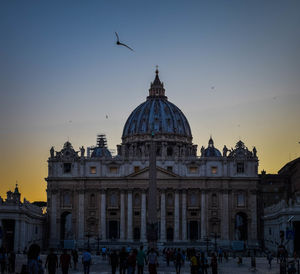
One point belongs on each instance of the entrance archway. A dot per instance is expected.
(241, 227)
(193, 230)
(170, 234)
(136, 234)
(113, 227)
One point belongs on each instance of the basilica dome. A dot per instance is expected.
(157, 115)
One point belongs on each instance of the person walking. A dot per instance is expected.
(131, 262)
(214, 264)
(33, 265)
(12, 261)
(75, 258)
(178, 261)
(123, 260)
(86, 261)
(194, 263)
(152, 261)
(141, 260)
(270, 258)
(114, 261)
(51, 262)
(168, 256)
(65, 262)
(203, 263)
(2, 260)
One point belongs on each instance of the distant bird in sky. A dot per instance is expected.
(212, 87)
(106, 116)
(121, 44)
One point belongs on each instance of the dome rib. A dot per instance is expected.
(157, 114)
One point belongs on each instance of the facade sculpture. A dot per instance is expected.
(197, 196)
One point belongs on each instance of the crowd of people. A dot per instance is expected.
(129, 260)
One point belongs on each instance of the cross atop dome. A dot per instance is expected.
(157, 87)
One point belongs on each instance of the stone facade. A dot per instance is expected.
(281, 216)
(96, 197)
(22, 224)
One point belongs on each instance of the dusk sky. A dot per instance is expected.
(232, 67)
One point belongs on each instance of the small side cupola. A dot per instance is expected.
(157, 87)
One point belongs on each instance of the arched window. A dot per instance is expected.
(169, 151)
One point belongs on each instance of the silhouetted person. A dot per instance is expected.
(178, 260)
(152, 261)
(214, 264)
(75, 258)
(51, 262)
(131, 262)
(86, 261)
(65, 262)
(123, 260)
(114, 261)
(2, 260)
(141, 260)
(12, 261)
(33, 265)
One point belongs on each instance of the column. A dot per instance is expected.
(253, 207)
(129, 216)
(103, 216)
(176, 217)
(23, 235)
(80, 220)
(163, 216)
(1, 228)
(122, 217)
(53, 218)
(143, 218)
(17, 236)
(225, 217)
(203, 215)
(184, 238)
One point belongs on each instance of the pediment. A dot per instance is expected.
(160, 173)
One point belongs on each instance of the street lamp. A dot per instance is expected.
(88, 235)
(214, 235)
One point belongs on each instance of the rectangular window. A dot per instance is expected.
(136, 213)
(170, 168)
(136, 169)
(193, 169)
(214, 170)
(93, 170)
(113, 169)
(193, 213)
(240, 168)
(170, 213)
(113, 213)
(240, 200)
(67, 167)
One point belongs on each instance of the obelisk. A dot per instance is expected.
(152, 225)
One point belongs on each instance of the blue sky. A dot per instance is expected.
(61, 74)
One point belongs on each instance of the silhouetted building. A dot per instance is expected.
(95, 196)
(21, 224)
(281, 215)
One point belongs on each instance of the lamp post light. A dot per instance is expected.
(88, 235)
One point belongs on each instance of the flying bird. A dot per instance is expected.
(121, 44)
